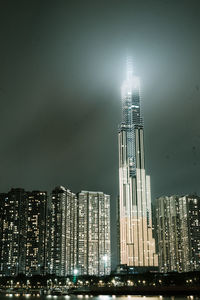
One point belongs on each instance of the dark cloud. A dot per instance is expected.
(61, 67)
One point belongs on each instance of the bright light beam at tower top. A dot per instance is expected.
(129, 67)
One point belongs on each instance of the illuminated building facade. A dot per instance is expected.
(22, 240)
(94, 257)
(62, 254)
(193, 211)
(178, 233)
(13, 232)
(62, 235)
(137, 246)
(36, 233)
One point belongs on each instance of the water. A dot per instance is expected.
(86, 297)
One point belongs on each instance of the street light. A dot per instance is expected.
(75, 275)
(75, 271)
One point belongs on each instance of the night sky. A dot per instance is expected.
(62, 64)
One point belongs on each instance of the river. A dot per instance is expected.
(79, 297)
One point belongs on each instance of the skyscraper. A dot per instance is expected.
(137, 246)
(93, 233)
(193, 212)
(178, 233)
(36, 233)
(62, 256)
(23, 232)
(13, 232)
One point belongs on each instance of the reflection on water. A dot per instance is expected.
(101, 297)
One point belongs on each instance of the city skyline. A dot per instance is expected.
(68, 234)
(61, 234)
(61, 77)
(61, 71)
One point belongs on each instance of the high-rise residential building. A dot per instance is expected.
(13, 232)
(178, 233)
(94, 256)
(137, 246)
(36, 233)
(62, 256)
(193, 209)
(22, 240)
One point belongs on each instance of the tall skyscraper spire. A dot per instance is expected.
(137, 246)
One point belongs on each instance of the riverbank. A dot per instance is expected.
(117, 291)
(164, 290)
